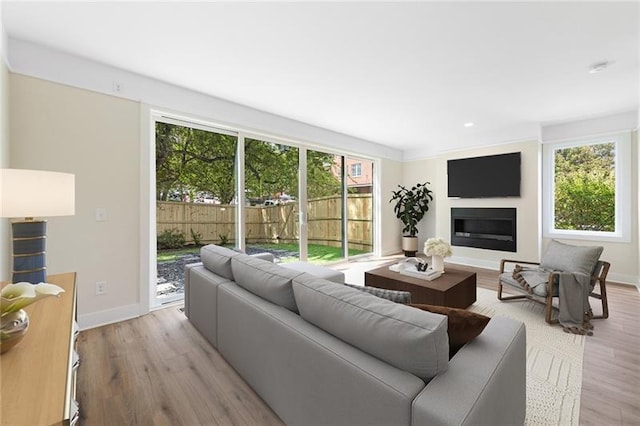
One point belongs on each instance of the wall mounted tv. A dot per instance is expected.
(484, 177)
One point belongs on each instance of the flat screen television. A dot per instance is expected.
(484, 177)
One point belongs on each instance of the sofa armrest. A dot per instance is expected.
(187, 285)
(485, 382)
(269, 257)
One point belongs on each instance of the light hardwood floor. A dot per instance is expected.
(611, 364)
(158, 370)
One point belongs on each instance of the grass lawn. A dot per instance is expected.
(316, 253)
(167, 255)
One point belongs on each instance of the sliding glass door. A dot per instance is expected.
(218, 186)
(339, 206)
(359, 183)
(195, 198)
(271, 199)
(325, 207)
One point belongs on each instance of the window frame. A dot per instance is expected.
(622, 233)
(353, 168)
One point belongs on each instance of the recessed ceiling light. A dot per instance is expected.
(599, 67)
(468, 124)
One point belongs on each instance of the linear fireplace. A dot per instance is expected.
(488, 228)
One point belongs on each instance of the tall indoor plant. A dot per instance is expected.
(410, 207)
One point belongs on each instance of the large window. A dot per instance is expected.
(220, 185)
(587, 188)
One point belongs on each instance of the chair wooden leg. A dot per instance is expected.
(603, 299)
(549, 310)
(605, 302)
(501, 297)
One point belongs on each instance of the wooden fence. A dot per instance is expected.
(215, 223)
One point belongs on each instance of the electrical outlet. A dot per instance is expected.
(101, 287)
(116, 87)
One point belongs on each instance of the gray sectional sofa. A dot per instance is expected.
(321, 353)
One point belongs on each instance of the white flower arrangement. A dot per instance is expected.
(437, 247)
(16, 296)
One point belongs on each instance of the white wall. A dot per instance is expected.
(527, 205)
(390, 227)
(5, 246)
(96, 137)
(414, 172)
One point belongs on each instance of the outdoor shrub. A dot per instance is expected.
(224, 239)
(171, 239)
(196, 237)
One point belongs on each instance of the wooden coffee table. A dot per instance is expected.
(455, 288)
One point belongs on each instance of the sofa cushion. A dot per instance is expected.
(217, 259)
(568, 258)
(397, 296)
(462, 326)
(317, 270)
(265, 279)
(405, 337)
(539, 288)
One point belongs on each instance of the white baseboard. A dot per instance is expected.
(108, 316)
(478, 263)
(624, 279)
(391, 252)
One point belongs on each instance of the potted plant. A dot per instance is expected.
(410, 207)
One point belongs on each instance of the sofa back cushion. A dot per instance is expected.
(265, 279)
(407, 338)
(568, 258)
(217, 259)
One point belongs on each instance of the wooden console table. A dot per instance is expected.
(38, 374)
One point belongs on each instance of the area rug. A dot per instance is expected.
(554, 361)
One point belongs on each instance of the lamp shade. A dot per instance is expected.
(36, 193)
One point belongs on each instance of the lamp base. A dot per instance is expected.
(29, 244)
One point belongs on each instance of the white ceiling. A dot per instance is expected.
(405, 74)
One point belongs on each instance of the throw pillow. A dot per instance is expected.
(397, 296)
(567, 258)
(463, 327)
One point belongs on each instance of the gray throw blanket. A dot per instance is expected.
(573, 294)
(575, 311)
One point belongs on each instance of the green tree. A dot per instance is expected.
(191, 160)
(270, 169)
(321, 181)
(585, 188)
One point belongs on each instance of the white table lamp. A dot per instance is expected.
(30, 194)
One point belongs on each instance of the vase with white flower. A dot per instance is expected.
(438, 249)
(14, 321)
